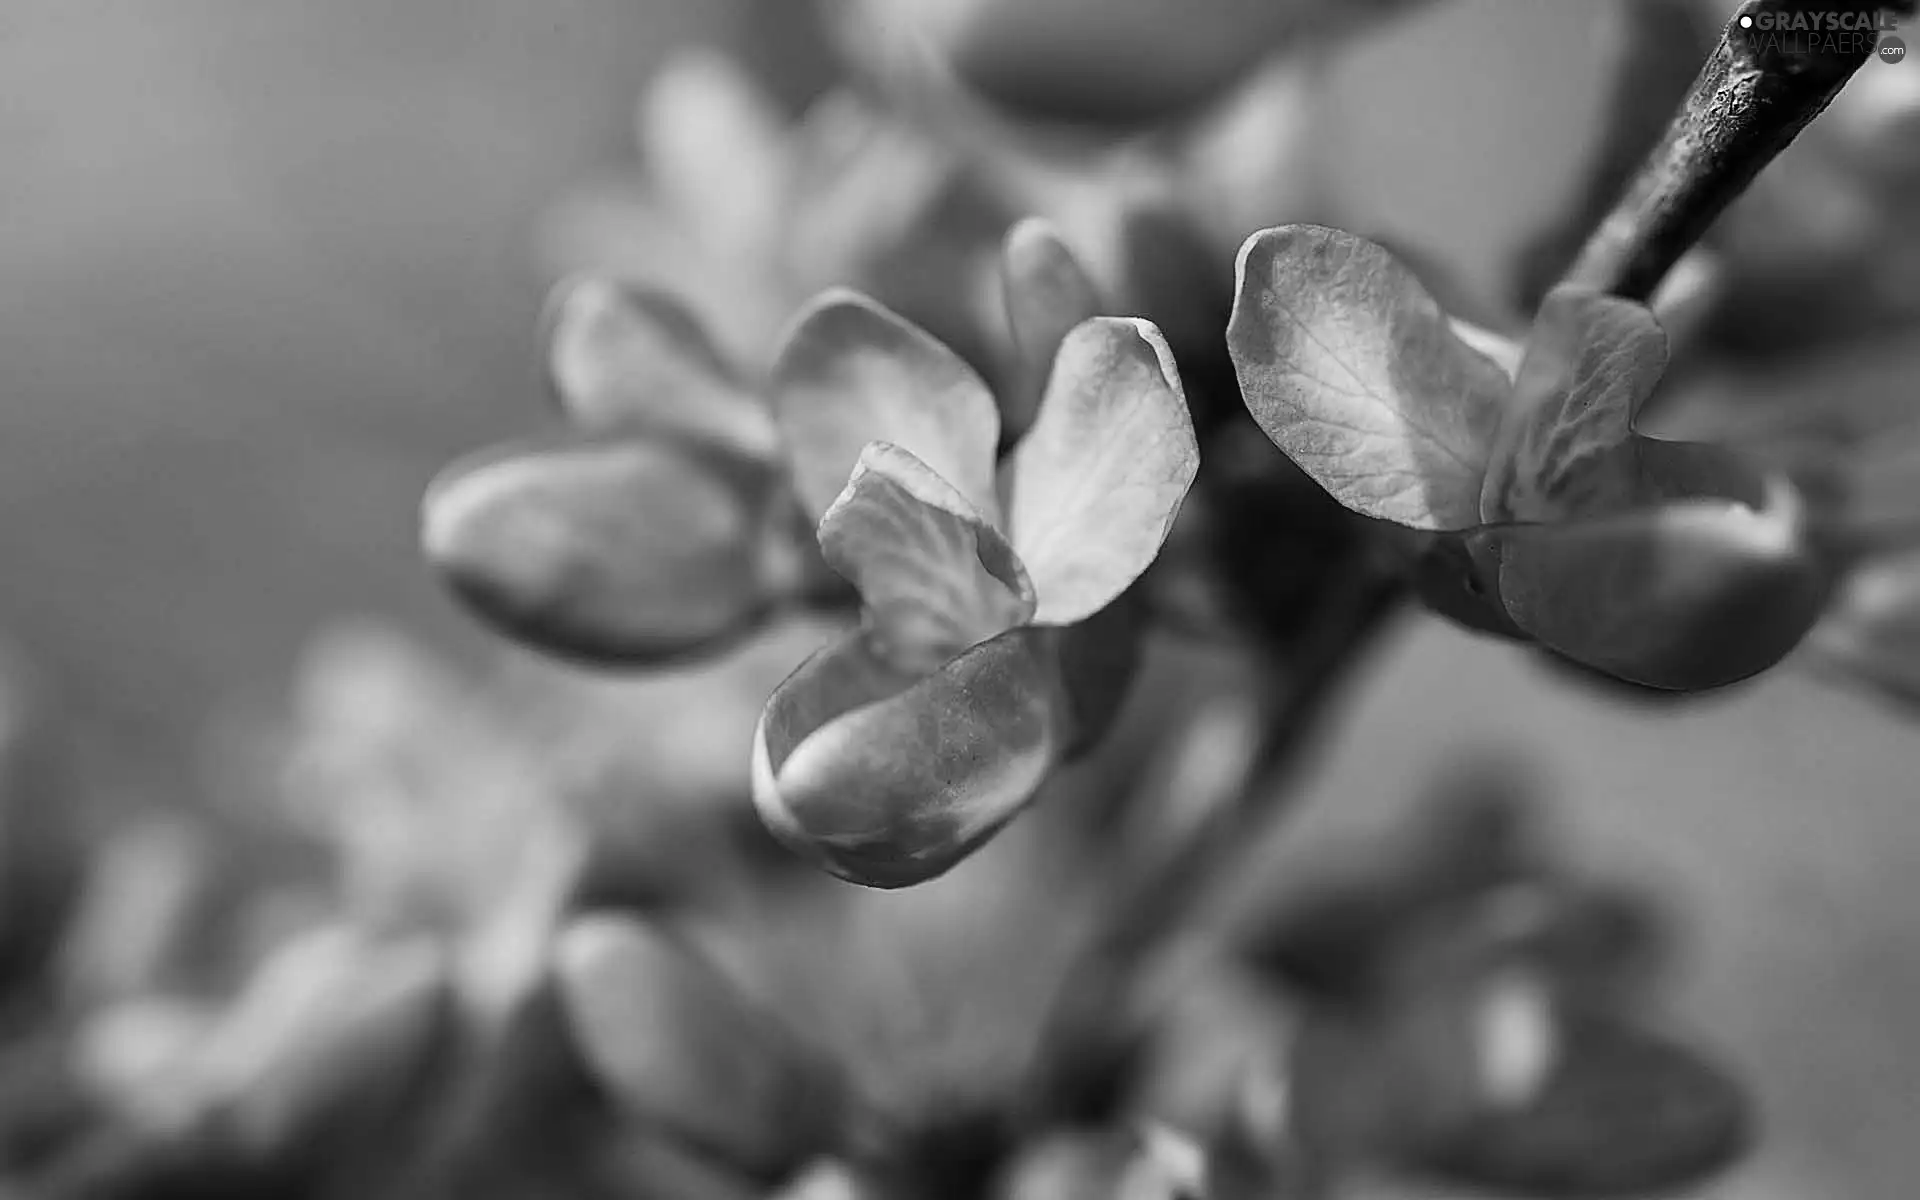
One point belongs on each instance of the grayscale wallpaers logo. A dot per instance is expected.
(1860, 31)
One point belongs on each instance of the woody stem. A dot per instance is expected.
(1778, 65)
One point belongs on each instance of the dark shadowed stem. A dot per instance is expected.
(1750, 101)
(1162, 894)
(1308, 681)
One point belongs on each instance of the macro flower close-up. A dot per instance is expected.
(960, 600)
(897, 751)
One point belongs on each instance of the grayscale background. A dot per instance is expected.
(266, 264)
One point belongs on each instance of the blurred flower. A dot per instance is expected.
(309, 1078)
(910, 202)
(1477, 1015)
(443, 817)
(744, 215)
(918, 1043)
(1122, 63)
(448, 1023)
(455, 843)
(1453, 1006)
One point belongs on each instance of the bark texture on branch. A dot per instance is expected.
(1753, 97)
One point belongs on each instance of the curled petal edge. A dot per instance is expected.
(887, 779)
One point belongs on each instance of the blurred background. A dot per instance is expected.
(266, 266)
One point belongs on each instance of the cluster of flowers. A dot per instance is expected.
(997, 415)
(478, 988)
(926, 448)
(1008, 519)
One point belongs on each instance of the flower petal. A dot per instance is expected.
(851, 372)
(935, 576)
(1352, 369)
(889, 781)
(1567, 449)
(615, 551)
(1097, 483)
(885, 205)
(677, 1045)
(1685, 597)
(632, 358)
(1047, 293)
(1590, 364)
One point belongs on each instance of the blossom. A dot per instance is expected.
(1477, 1014)
(1675, 565)
(893, 754)
(665, 526)
(656, 526)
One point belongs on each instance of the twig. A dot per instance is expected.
(1753, 97)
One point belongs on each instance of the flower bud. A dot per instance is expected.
(616, 551)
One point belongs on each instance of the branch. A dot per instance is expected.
(1660, 59)
(1753, 97)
